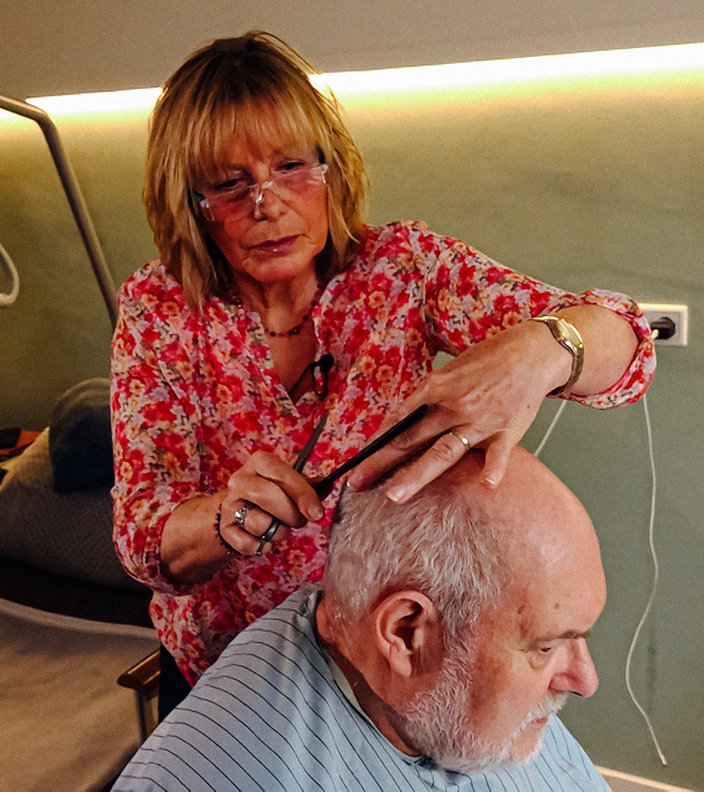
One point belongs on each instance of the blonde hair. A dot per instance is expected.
(252, 88)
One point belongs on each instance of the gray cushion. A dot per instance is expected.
(68, 533)
(80, 444)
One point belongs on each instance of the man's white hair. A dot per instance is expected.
(438, 543)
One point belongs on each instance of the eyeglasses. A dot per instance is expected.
(291, 181)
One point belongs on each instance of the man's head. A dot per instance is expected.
(461, 616)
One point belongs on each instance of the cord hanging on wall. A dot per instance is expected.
(656, 576)
(548, 431)
(654, 556)
(6, 264)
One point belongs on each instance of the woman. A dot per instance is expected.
(272, 304)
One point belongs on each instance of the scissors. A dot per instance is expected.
(324, 486)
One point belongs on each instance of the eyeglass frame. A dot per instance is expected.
(255, 191)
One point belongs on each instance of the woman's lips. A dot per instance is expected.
(276, 247)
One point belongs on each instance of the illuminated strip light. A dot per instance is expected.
(100, 102)
(641, 60)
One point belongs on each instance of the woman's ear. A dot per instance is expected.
(407, 632)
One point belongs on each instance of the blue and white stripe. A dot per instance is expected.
(269, 717)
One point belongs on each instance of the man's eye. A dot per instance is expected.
(545, 649)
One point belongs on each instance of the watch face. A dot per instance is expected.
(563, 331)
(569, 333)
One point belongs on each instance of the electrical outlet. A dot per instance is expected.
(658, 312)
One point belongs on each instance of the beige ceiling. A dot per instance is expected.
(49, 47)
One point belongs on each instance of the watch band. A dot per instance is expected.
(567, 335)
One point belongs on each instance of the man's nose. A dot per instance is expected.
(579, 675)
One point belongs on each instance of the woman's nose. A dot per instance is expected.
(579, 674)
(266, 199)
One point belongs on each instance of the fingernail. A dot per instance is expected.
(316, 513)
(396, 493)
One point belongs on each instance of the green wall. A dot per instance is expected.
(583, 184)
(58, 331)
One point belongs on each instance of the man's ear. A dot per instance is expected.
(407, 631)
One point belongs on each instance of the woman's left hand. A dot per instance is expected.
(488, 396)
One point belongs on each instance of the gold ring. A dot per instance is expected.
(467, 445)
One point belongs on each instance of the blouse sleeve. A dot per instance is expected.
(155, 443)
(469, 297)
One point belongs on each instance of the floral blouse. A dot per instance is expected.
(194, 394)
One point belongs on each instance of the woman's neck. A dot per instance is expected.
(283, 307)
(292, 357)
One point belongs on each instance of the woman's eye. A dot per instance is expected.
(291, 166)
(235, 184)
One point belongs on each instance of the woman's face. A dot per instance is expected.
(269, 213)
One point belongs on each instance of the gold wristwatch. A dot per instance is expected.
(567, 335)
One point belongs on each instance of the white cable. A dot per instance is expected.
(653, 553)
(548, 431)
(8, 298)
(656, 575)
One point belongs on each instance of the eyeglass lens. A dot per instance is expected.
(285, 186)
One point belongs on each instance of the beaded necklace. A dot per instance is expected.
(292, 331)
(296, 329)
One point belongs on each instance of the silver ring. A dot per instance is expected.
(240, 515)
(467, 445)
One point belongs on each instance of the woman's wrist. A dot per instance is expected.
(570, 339)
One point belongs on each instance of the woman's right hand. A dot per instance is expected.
(191, 551)
(271, 489)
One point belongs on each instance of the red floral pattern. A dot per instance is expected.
(194, 394)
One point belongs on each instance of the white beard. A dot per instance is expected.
(436, 723)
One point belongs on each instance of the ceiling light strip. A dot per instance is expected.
(640, 60)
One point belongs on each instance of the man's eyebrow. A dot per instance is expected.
(567, 635)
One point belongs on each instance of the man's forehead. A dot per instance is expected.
(544, 611)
